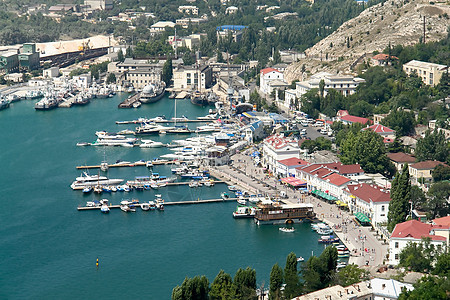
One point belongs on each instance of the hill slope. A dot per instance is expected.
(397, 22)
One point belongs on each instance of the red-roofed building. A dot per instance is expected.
(266, 76)
(277, 147)
(382, 59)
(384, 131)
(413, 231)
(400, 158)
(369, 199)
(421, 172)
(348, 120)
(346, 170)
(286, 167)
(442, 228)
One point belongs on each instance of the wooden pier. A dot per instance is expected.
(165, 203)
(128, 103)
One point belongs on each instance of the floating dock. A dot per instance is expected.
(165, 203)
(128, 103)
(135, 164)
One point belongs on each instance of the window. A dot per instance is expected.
(396, 256)
(396, 245)
(382, 207)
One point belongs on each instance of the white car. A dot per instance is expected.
(323, 131)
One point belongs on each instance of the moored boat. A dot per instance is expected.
(285, 229)
(153, 92)
(244, 212)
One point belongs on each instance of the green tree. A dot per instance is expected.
(367, 149)
(167, 71)
(413, 257)
(418, 198)
(311, 274)
(400, 196)
(442, 266)
(432, 147)
(188, 59)
(129, 52)
(120, 56)
(244, 284)
(428, 288)
(318, 144)
(401, 121)
(221, 288)
(111, 78)
(351, 274)
(438, 195)
(321, 87)
(192, 288)
(276, 282)
(440, 173)
(329, 258)
(291, 278)
(220, 57)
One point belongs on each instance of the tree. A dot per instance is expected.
(111, 78)
(318, 144)
(220, 57)
(438, 195)
(442, 266)
(291, 278)
(413, 257)
(311, 274)
(276, 282)
(432, 147)
(321, 87)
(400, 196)
(192, 288)
(188, 59)
(418, 198)
(167, 71)
(440, 173)
(401, 121)
(244, 284)
(329, 258)
(351, 274)
(366, 148)
(221, 288)
(120, 56)
(427, 288)
(129, 52)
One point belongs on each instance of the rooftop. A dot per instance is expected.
(427, 165)
(268, 70)
(354, 119)
(423, 64)
(401, 157)
(416, 230)
(337, 179)
(369, 192)
(444, 221)
(378, 128)
(293, 161)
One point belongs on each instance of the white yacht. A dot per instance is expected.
(92, 180)
(150, 144)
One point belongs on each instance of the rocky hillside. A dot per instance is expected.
(395, 21)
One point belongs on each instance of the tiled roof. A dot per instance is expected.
(345, 169)
(388, 140)
(354, 119)
(337, 179)
(383, 56)
(268, 70)
(378, 128)
(415, 229)
(369, 193)
(293, 161)
(401, 157)
(427, 165)
(444, 221)
(278, 142)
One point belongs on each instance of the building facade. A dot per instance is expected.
(344, 84)
(277, 147)
(192, 78)
(429, 73)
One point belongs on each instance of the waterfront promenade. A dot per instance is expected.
(366, 248)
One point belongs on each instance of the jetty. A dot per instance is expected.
(128, 103)
(198, 201)
(179, 120)
(135, 164)
(67, 103)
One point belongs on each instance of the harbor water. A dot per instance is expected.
(49, 249)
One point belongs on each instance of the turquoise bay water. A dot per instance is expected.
(48, 249)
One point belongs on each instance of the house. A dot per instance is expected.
(62, 8)
(412, 231)
(137, 73)
(384, 131)
(225, 30)
(369, 199)
(51, 72)
(344, 84)
(286, 167)
(253, 131)
(278, 147)
(99, 4)
(231, 10)
(9, 62)
(160, 26)
(14, 77)
(430, 73)
(82, 81)
(185, 22)
(348, 120)
(442, 228)
(383, 59)
(192, 78)
(420, 172)
(267, 76)
(377, 118)
(400, 158)
(188, 9)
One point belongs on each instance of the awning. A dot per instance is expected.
(293, 181)
(340, 203)
(362, 217)
(324, 195)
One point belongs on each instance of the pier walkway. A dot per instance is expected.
(135, 164)
(128, 103)
(199, 201)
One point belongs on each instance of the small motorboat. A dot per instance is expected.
(83, 144)
(104, 209)
(145, 206)
(104, 202)
(300, 259)
(113, 188)
(285, 229)
(241, 200)
(232, 188)
(224, 196)
(194, 184)
(87, 190)
(152, 205)
(159, 202)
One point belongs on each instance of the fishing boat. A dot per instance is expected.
(153, 92)
(46, 104)
(285, 229)
(244, 212)
(152, 205)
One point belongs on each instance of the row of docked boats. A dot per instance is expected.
(129, 206)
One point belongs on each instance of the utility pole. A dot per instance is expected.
(175, 40)
(423, 29)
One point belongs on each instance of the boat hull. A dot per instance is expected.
(146, 100)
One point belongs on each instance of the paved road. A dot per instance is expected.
(366, 249)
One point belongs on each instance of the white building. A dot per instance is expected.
(83, 80)
(192, 78)
(51, 72)
(188, 9)
(277, 147)
(286, 167)
(412, 232)
(161, 26)
(99, 4)
(231, 10)
(345, 84)
(368, 199)
(267, 76)
(429, 73)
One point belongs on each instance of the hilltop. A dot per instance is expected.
(397, 22)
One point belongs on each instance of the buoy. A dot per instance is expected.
(96, 263)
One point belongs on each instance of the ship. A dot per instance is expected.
(4, 104)
(283, 213)
(153, 92)
(46, 103)
(198, 98)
